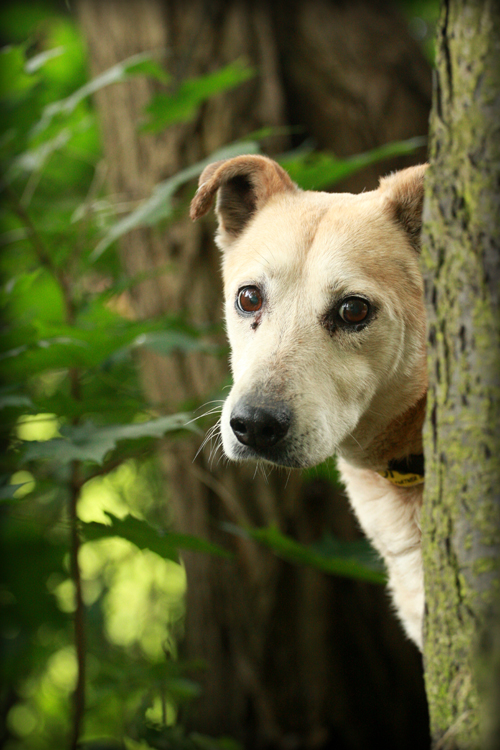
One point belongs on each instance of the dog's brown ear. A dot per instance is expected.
(404, 198)
(244, 185)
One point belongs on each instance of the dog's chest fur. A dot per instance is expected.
(390, 517)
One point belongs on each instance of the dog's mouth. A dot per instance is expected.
(276, 456)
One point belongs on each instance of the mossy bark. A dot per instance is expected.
(461, 262)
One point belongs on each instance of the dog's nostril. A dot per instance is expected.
(238, 426)
(258, 427)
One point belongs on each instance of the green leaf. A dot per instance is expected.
(314, 170)
(159, 205)
(34, 159)
(145, 536)
(15, 400)
(357, 560)
(14, 79)
(87, 442)
(175, 738)
(166, 342)
(8, 490)
(327, 470)
(182, 104)
(140, 64)
(38, 61)
(47, 346)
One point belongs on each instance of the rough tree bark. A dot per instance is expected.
(461, 520)
(295, 659)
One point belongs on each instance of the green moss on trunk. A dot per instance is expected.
(461, 262)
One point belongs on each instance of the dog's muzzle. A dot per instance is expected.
(260, 427)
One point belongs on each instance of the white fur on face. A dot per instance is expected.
(306, 252)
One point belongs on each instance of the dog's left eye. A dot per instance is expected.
(354, 310)
(249, 299)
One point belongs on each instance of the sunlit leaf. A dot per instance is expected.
(356, 560)
(144, 536)
(88, 442)
(181, 105)
(159, 205)
(7, 490)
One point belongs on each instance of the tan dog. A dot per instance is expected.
(326, 321)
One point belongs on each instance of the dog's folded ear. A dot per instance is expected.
(403, 194)
(244, 185)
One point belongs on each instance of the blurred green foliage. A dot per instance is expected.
(74, 420)
(75, 427)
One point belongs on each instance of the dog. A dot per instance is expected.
(327, 328)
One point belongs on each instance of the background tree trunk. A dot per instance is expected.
(461, 521)
(295, 659)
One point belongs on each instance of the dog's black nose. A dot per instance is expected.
(260, 427)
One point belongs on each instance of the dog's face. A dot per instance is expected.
(324, 310)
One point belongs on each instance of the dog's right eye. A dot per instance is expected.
(249, 299)
(354, 310)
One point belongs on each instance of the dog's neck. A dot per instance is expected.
(402, 437)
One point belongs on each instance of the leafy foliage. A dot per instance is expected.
(159, 205)
(145, 536)
(181, 105)
(87, 442)
(315, 170)
(356, 560)
(73, 417)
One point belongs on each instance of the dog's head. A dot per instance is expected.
(324, 309)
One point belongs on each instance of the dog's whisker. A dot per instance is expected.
(208, 414)
(207, 403)
(215, 410)
(217, 450)
(212, 432)
(216, 447)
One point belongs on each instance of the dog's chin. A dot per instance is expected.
(284, 457)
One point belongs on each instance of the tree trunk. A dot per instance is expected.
(461, 519)
(296, 659)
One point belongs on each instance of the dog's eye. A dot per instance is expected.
(249, 299)
(354, 310)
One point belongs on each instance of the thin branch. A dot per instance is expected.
(46, 261)
(43, 254)
(79, 694)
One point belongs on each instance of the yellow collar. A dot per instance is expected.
(406, 472)
(402, 480)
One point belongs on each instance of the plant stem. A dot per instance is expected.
(43, 255)
(79, 694)
(75, 487)
(64, 281)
